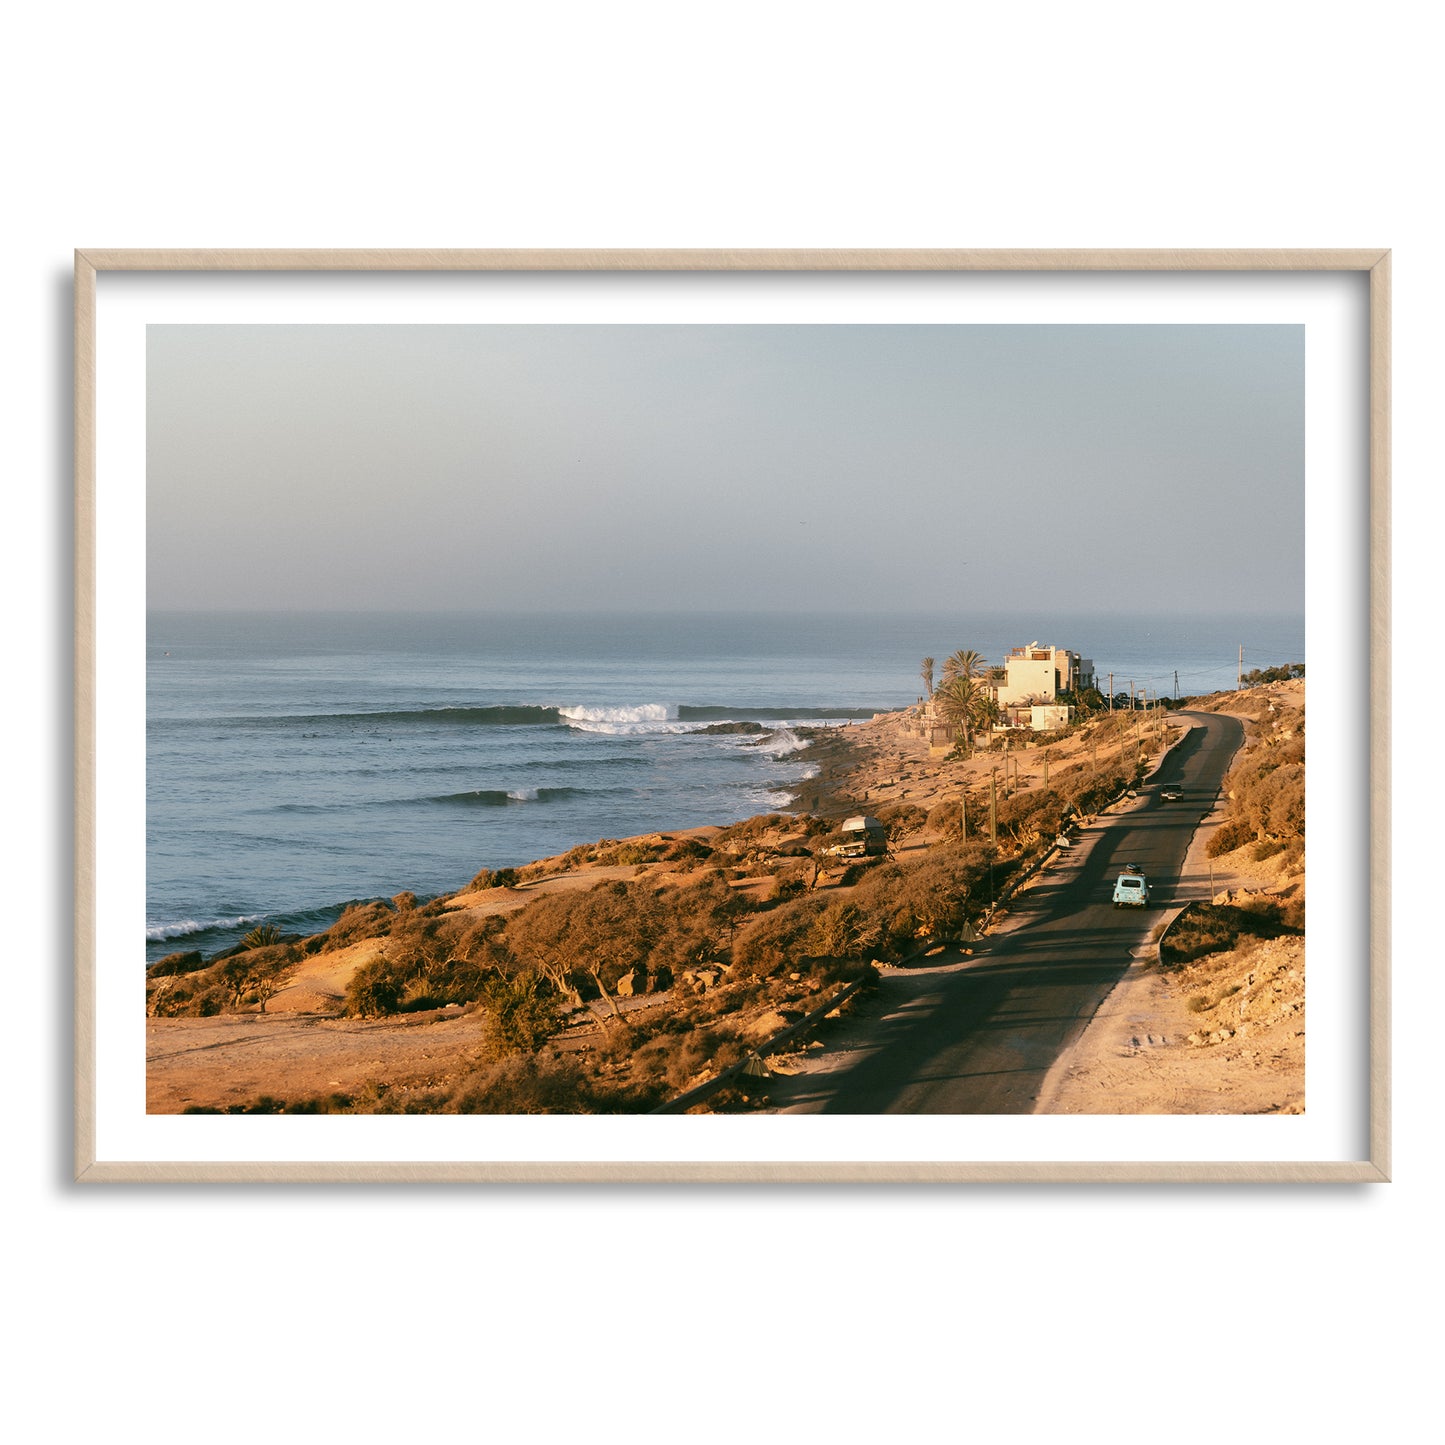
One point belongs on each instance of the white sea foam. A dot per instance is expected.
(181, 927)
(769, 799)
(781, 744)
(524, 795)
(645, 713)
(648, 717)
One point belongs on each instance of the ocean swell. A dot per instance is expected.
(502, 797)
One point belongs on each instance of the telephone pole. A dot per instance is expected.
(993, 805)
(1239, 677)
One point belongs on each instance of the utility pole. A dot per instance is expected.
(1239, 677)
(1111, 693)
(963, 818)
(993, 805)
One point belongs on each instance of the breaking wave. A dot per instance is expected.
(181, 928)
(781, 744)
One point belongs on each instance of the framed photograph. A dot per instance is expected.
(731, 716)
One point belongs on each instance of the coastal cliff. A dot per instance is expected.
(614, 976)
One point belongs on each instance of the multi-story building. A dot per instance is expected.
(1036, 674)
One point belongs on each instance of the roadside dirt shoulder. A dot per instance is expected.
(1221, 1035)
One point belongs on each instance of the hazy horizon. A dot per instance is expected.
(615, 469)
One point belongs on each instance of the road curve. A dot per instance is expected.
(978, 1035)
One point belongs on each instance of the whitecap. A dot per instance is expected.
(647, 712)
(178, 929)
(782, 743)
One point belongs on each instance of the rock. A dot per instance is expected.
(766, 1025)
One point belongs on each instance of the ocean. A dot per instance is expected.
(297, 762)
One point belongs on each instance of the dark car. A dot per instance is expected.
(1172, 793)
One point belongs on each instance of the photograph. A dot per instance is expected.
(663, 668)
(724, 718)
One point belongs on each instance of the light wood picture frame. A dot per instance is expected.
(94, 1162)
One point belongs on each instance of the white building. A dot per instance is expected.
(1036, 674)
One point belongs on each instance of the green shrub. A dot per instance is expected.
(522, 1014)
(376, 989)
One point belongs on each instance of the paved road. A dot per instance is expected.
(978, 1035)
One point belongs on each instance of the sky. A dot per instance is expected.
(726, 468)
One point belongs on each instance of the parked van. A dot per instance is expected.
(862, 838)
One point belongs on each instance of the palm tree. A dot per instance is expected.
(962, 704)
(926, 673)
(964, 663)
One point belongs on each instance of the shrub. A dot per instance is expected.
(688, 853)
(778, 938)
(1230, 834)
(358, 921)
(493, 878)
(527, 1084)
(1206, 928)
(678, 1061)
(175, 963)
(375, 990)
(901, 819)
(522, 1014)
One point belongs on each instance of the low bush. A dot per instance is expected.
(522, 1014)
(902, 819)
(175, 963)
(1206, 928)
(359, 921)
(545, 1083)
(687, 853)
(493, 878)
(376, 989)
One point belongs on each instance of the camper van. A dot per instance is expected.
(863, 837)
